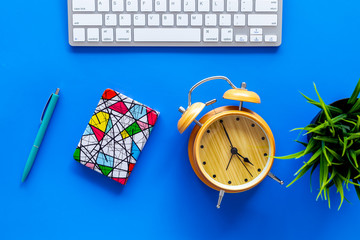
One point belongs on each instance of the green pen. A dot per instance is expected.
(44, 122)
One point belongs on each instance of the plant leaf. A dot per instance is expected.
(351, 162)
(328, 194)
(340, 189)
(302, 143)
(325, 173)
(326, 110)
(325, 154)
(312, 170)
(311, 146)
(326, 139)
(355, 94)
(347, 180)
(319, 127)
(352, 136)
(323, 176)
(357, 189)
(332, 152)
(305, 169)
(358, 123)
(355, 107)
(311, 161)
(331, 108)
(353, 155)
(345, 146)
(291, 156)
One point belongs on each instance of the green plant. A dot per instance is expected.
(334, 142)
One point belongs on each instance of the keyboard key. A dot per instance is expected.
(241, 38)
(168, 19)
(87, 19)
(110, 20)
(211, 35)
(107, 35)
(262, 20)
(131, 5)
(256, 31)
(218, 5)
(167, 35)
(124, 19)
(153, 19)
(227, 35)
(182, 20)
(246, 5)
(189, 5)
(123, 34)
(175, 5)
(117, 5)
(146, 5)
(79, 34)
(139, 19)
(83, 5)
(239, 20)
(93, 35)
(256, 38)
(225, 20)
(160, 5)
(270, 38)
(203, 6)
(266, 6)
(232, 5)
(103, 5)
(210, 19)
(196, 20)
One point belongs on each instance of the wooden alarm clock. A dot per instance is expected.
(231, 148)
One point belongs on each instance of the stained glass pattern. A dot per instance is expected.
(115, 135)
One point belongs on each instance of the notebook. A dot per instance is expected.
(115, 135)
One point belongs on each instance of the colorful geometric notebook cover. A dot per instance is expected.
(115, 135)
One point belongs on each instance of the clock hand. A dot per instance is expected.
(244, 165)
(245, 159)
(227, 135)
(229, 161)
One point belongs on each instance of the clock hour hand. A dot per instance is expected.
(227, 135)
(244, 165)
(229, 162)
(245, 159)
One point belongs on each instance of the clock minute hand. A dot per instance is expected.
(244, 165)
(227, 135)
(245, 159)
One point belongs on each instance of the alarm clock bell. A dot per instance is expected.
(231, 148)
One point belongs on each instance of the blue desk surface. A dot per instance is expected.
(163, 198)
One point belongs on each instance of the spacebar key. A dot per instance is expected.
(167, 34)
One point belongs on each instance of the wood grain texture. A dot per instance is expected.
(215, 150)
(237, 185)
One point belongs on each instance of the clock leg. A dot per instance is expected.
(275, 178)
(221, 195)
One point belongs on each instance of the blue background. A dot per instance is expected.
(163, 198)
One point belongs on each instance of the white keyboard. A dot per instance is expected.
(255, 23)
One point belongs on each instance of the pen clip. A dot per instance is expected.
(44, 111)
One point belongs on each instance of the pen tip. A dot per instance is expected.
(57, 91)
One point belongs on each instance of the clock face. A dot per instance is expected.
(234, 151)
